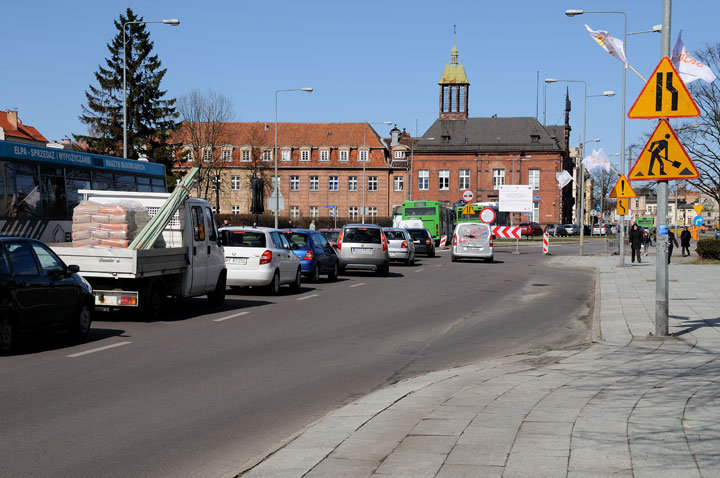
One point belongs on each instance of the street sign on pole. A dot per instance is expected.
(487, 215)
(663, 158)
(468, 210)
(698, 209)
(698, 220)
(468, 195)
(622, 189)
(515, 198)
(623, 207)
(664, 95)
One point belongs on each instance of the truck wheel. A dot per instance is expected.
(8, 335)
(154, 301)
(216, 298)
(81, 327)
(295, 286)
(274, 286)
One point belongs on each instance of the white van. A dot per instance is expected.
(472, 240)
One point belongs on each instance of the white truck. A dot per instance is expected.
(191, 262)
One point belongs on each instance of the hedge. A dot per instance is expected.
(709, 248)
(268, 220)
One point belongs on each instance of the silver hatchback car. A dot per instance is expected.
(472, 240)
(400, 245)
(363, 246)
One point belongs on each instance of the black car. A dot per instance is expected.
(556, 230)
(424, 243)
(39, 292)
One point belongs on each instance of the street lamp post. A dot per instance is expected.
(168, 21)
(276, 186)
(367, 158)
(582, 152)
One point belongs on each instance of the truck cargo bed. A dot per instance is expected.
(124, 263)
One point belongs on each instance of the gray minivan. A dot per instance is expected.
(363, 246)
(472, 240)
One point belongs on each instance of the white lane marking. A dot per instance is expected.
(438, 265)
(111, 346)
(230, 316)
(419, 270)
(357, 285)
(307, 297)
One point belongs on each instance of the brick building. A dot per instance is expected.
(12, 129)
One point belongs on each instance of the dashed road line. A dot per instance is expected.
(230, 316)
(357, 285)
(99, 349)
(419, 270)
(307, 297)
(438, 265)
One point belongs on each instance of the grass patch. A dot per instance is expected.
(701, 261)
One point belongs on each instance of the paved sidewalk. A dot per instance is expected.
(628, 405)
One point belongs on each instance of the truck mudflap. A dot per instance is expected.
(116, 298)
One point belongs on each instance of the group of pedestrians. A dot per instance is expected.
(640, 240)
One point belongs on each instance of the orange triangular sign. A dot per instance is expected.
(663, 158)
(664, 95)
(468, 210)
(623, 189)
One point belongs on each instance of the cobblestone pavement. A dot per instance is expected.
(626, 405)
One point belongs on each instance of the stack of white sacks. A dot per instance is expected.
(107, 225)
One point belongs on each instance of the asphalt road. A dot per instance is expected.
(201, 394)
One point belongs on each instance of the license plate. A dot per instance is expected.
(360, 250)
(241, 261)
(473, 249)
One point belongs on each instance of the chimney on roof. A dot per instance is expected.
(12, 118)
(394, 136)
(65, 142)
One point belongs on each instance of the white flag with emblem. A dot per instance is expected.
(608, 43)
(603, 160)
(563, 179)
(689, 68)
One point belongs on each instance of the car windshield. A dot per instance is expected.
(331, 235)
(394, 235)
(419, 211)
(368, 235)
(296, 240)
(418, 234)
(243, 238)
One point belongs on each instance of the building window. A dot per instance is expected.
(333, 183)
(464, 177)
(534, 176)
(189, 155)
(423, 180)
(226, 155)
(245, 156)
(294, 212)
(314, 211)
(267, 155)
(444, 179)
(305, 155)
(324, 155)
(372, 183)
(314, 183)
(285, 155)
(399, 154)
(235, 209)
(372, 211)
(352, 183)
(446, 98)
(536, 212)
(398, 183)
(294, 183)
(353, 212)
(462, 95)
(363, 155)
(498, 178)
(207, 155)
(344, 153)
(235, 183)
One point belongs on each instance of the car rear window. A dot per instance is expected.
(243, 238)
(474, 231)
(331, 235)
(418, 234)
(395, 235)
(298, 239)
(368, 235)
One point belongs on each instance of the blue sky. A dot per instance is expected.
(367, 61)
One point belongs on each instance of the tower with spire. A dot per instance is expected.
(454, 89)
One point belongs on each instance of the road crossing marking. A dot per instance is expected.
(230, 316)
(307, 297)
(358, 285)
(419, 270)
(99, 349)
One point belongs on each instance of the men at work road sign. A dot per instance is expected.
(664, 95)
(663, 158)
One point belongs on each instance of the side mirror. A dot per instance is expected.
(73, 269)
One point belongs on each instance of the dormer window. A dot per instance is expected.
(344, 155)
(245, 155)
(363, 155)
(285, 155)
(305, 155)
(226, 155)
(399, 154)
(534, 138)
(267, 155)
(446, 138)
(324, 155)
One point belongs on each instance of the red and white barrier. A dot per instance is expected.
(443, 241)
(506, 232)
(546, 243)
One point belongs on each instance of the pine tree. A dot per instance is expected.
(150, 116)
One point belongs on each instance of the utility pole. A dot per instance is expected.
(661, 271)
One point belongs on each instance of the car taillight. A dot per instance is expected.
(384, 242)
(266, 257)
(308, 255)
(404, 245)
(491, 240)
(339, 241)
(427, 242)
(437, 229)
(454, 239)
(126, 300)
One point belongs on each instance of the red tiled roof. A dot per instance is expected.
(22, 131)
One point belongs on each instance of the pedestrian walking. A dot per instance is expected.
(312, 225)
(646, 241)
(671, 241)
(636, 239)
(685, 241)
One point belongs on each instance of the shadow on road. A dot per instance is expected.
(48, 341)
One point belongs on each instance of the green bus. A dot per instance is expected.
(436, 217)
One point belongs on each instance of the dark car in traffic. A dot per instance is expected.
(424, 243)
(556, 230)
(39, 292)
(316, 254)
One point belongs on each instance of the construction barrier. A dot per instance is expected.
(546, 243)
(443, 241)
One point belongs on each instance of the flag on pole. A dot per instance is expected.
(609, 43)
(563, 179)
(603, 160)
(689, 68)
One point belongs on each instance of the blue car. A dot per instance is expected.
(316, 254)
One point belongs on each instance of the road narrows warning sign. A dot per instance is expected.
(663, 158)
(468, 210)
(664, 95)
(623, 189)
(623, 206)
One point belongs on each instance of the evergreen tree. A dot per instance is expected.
(150, 116)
